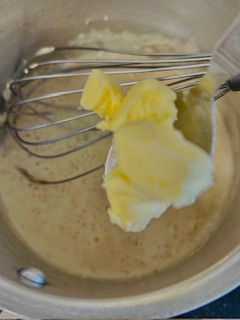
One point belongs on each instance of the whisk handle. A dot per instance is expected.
(234, 83)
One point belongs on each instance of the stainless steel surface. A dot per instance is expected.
(213, 270)
(6, 314)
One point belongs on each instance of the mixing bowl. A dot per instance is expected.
(202, 277)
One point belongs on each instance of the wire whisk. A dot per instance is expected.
(44, 113)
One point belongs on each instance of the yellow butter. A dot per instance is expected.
(148, 99)
(101, 94)
(157, 166)
(161, 163)
(130, 209)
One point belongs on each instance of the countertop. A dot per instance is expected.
(226, 307)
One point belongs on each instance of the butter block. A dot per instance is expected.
(157, 166)
(130, 209)
(148, 99)
(102, 95)
(161, 163)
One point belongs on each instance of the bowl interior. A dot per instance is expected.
(44, 23)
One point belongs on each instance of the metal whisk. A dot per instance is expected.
(39, 101)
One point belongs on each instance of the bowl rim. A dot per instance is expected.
(172, 301)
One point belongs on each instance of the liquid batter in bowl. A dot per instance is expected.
(67, 224)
